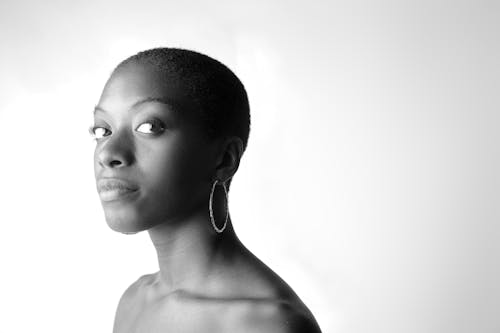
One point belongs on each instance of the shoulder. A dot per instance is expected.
(272, 305)
(132, 295)
(277, 316)
(134, 292)
(142, 282)
(298, 322)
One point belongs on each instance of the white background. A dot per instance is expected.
(370, 183)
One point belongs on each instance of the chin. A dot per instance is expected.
(125, 222)
(131, 219)
(124, 226)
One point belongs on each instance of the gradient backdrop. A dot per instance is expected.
(371, 180)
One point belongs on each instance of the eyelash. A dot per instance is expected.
(93, 128)
(154, 122)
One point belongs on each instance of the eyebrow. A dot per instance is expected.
(162, 100)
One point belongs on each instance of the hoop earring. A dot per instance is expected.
(218, 230)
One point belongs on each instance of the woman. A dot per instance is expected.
(171, 127)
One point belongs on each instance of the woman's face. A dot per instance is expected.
(151, 162)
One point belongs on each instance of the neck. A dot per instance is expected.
(189, 251)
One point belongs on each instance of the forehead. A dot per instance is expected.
(134, 82)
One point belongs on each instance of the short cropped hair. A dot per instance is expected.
(222, 99)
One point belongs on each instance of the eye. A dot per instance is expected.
(98, 132)
(153, 126)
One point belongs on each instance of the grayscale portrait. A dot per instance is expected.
(171, 127)
(250, 166)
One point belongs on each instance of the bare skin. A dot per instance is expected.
(236, 293)
(207, 282)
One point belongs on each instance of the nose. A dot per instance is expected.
(116, 152)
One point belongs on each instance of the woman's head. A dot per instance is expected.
(169, 122)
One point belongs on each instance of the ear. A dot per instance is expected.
(228, 158)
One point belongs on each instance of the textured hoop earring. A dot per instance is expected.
(218, 230)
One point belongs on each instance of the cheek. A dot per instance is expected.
(175, 179)
(95, 162)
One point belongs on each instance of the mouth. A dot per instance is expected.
(113, 189)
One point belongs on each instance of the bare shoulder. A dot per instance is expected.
(138, 285)
(131, 295)
(296, 320)
(276, 316)
(273, 306)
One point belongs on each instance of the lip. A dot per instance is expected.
(112, 189)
